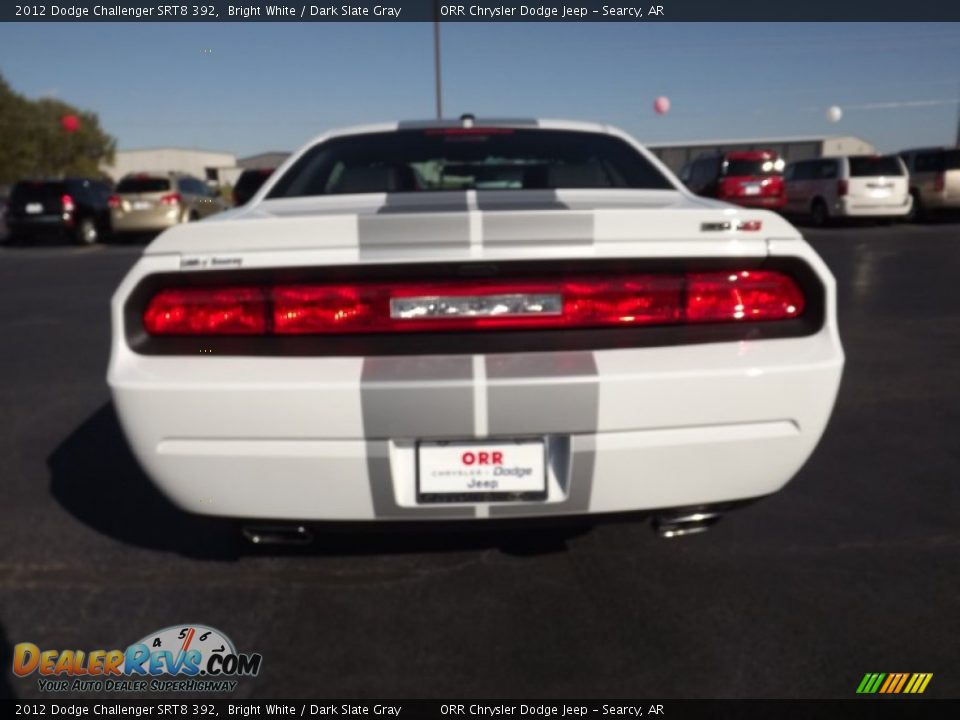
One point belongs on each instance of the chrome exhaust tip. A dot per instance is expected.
(277, 535)
(681, 524)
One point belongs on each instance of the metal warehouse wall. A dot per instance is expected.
(199, 163)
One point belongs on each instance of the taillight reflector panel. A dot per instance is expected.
(207, 311)
(572, 302)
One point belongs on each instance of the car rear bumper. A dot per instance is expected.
(768, 203)
(847, 207)
(331, 439)
(42, 225)
(941, 201)
(145, 221)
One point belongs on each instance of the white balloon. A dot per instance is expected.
(834, 114)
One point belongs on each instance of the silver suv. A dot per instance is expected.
(149, 202)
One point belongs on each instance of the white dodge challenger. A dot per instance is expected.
(468, 319)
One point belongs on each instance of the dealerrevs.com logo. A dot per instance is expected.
(179, 658)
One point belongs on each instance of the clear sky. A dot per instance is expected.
(247, 88)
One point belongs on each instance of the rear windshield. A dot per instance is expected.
(41, 192)
(752, 168)
(938, 162)
(143, 185)
(872, 166)
(468, 159)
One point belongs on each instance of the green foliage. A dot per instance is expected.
(33, 143)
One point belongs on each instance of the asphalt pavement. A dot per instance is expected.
(852, 569)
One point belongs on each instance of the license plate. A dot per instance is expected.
(481, 471)
(751, 189)
(142, 205)
(34, 208)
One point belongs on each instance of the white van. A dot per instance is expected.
(849, 186)
(934, 180)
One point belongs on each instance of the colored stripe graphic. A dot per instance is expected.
(894, 683)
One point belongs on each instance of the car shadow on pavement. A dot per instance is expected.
(95, 477)
(6, 662)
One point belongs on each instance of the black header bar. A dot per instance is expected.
(630, 11)
(874, 708)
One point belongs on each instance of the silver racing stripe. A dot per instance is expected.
(548, 394)
(556, 392)
(413, 397)
(562, 227)
(384, 234)
(417, 397)
(414, 202)
(517, 201)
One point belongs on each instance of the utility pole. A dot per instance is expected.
(436, 58)
(958, 119)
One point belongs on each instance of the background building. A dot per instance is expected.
(205, 164)
(676, 155)
(263, 160)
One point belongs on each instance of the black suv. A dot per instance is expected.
(73, 208)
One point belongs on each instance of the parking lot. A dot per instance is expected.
(852, 569)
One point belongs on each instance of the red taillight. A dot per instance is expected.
(114, 202)
(377, 307)
(171, 199)
(842, 188)
(744, 295)
(207, 311)
(939, 182)
(67, 201)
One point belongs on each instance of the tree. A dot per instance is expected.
(34, 144)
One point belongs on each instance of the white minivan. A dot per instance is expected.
(862, 186)
(934, 180)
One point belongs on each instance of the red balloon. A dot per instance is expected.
(661, 106)
(70, 123)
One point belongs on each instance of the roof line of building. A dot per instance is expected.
(753, 141)
(176, 147)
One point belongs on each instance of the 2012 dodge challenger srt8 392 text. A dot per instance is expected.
(470, 319)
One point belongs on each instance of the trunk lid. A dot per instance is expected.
(476, 225)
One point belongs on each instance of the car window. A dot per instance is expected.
(443, 159)
(192, 186)
(826, 170)
(81, 191)
(751, 168)
(143, 185)
(874, 166)
(39, 192)
(939, 161)
(805, 170)
(703, 170)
